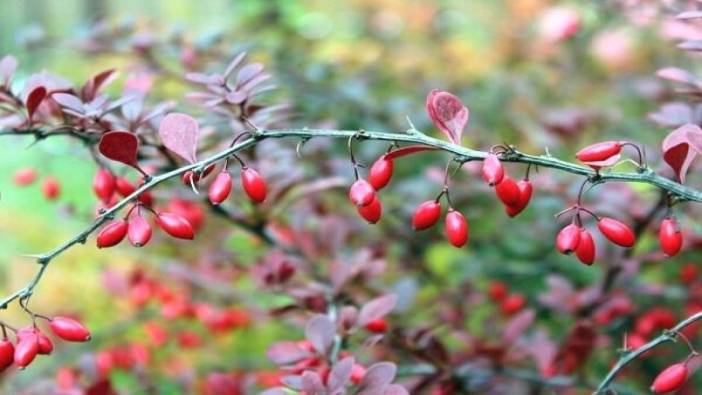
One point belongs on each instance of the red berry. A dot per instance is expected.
(51, 188)
(380, 173)
(139, 232)
(688, 273)
(69, 329)
(525, 192)
(195, 177)
(586, 247)
(253, 184)
(512, 304)
(104, 184)
(599, 152)
(112, 234)
(189, 210)
(220, 188)
(357, 373)
(378, 325)
(670, 237)
(175, 226)
(497, 291)
(670, 379)
(124, 187)
(361, 193)
(26, 350)
(45, 344)
(426, 215)
(456, 228)
(568, 239)
(371, 212)
(617, 232)
(7, 354)
(493, 172)
(508, 191)
(23, 177)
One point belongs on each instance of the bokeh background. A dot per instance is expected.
(350, 64)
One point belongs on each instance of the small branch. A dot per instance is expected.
(667, 336)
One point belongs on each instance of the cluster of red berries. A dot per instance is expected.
(50, 186)
(514, 195)
(605, 154)
(252, 182)
(107, 187)
(31, 341)
(364, 194)
(138, 230)
(575, 238)
(509, 303)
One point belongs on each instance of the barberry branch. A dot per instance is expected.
(462, 154)
(669, 335)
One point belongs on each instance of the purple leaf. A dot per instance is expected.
(248, 72)
(376, 308)
(34, 99)
(677, 151)
(284, 353)
(204, 79)
(320, 332)
(689, 15)
(448, 113)
(340, 374)
(8, 64)
(120, 146)
(679, 75)
(180, 134)
(378, 376)
(312, 383)
(516, 326)
(233, 64)
(347, 317)
(274, 391)
(68, 101)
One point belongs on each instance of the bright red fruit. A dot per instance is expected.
(508, 191)
(380, 173)
(371, 212)
(378, 325)
(45, 344)
(26, 350)
(617, 232)
(525, 192)
(69, 329)
(23, 177)
(599, 151)
(124, 187)
(220, 188)
(51, 188)
(497, 291)
(456, 228)
(512, 304)
(112, 234)
(670, 379)
(104, 184)
(586, 247)
(493, 172)
(361, 193)
(7, 354)
(568, 239)
(253, 184)
(175, 226)
(139, 232)
(670, 237)
(426, 215)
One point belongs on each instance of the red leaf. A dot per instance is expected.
(448, 114)
(120, 146)
(34, 99)
(93, 86)
(676, 148)
(410, 149)
(604, 163)
(517, 325)
(180, 134)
